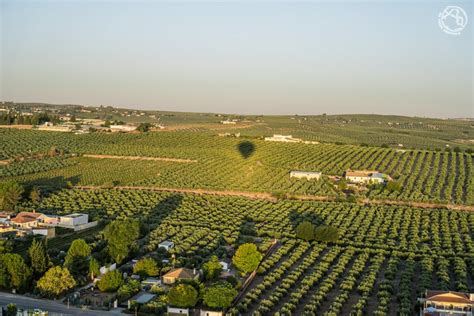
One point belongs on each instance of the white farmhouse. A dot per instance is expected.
(310, 175)
(122, 128)
(228, 122)
(366, 176)
(283, 138)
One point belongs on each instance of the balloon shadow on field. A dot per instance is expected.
(246, 149)
(296, 218)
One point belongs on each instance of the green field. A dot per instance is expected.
(391, 245)
(442, 177)
(385, 258)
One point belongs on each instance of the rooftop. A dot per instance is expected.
(180, 273)
(448, 297)
(167, 243)
(75, 215)
(143, 298)
(361, 173)
(26, 217)
(305, 172)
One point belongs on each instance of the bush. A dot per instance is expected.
(110, 281)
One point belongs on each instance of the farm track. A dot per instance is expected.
(270, 197)
(139, 158)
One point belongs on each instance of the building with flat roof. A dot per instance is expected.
(167, 244)
(283, 138)
(309, 175)
(366, 176)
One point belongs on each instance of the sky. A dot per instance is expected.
(243, 57)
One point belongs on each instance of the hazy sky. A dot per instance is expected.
(239, 57)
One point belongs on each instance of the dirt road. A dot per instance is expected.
(270, 197)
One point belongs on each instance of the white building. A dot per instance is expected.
(178, 311)
(73, 220)
(310, 175)
(4, 218)
(122, 128)
(205, 312)
(447, 303)
(226, 122)
(167, 244)
(55, 128)
(283, 138)
(48, 232)
(366, 176)
(105, 269)
(225, 266)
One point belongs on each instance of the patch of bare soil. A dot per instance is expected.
(139, 158)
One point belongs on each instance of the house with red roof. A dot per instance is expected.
(27, 219)
(444, 303)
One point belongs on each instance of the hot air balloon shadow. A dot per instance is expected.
(246, 149)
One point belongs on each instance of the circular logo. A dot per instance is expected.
(452, 20)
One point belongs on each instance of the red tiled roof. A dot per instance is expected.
(448, 297)
(26, 217)
(29, 214)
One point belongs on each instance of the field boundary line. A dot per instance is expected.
(181, 160)
(270, 197)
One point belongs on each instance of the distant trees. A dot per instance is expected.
(55, 281)
(110, 281)
(144, 127)
(121, 236)
(220, 295)
(14, 118)
(10, 195)
(146, 267)
(183, 295)
(212, 269)
(247, 258)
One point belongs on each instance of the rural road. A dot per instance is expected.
(53, 307)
